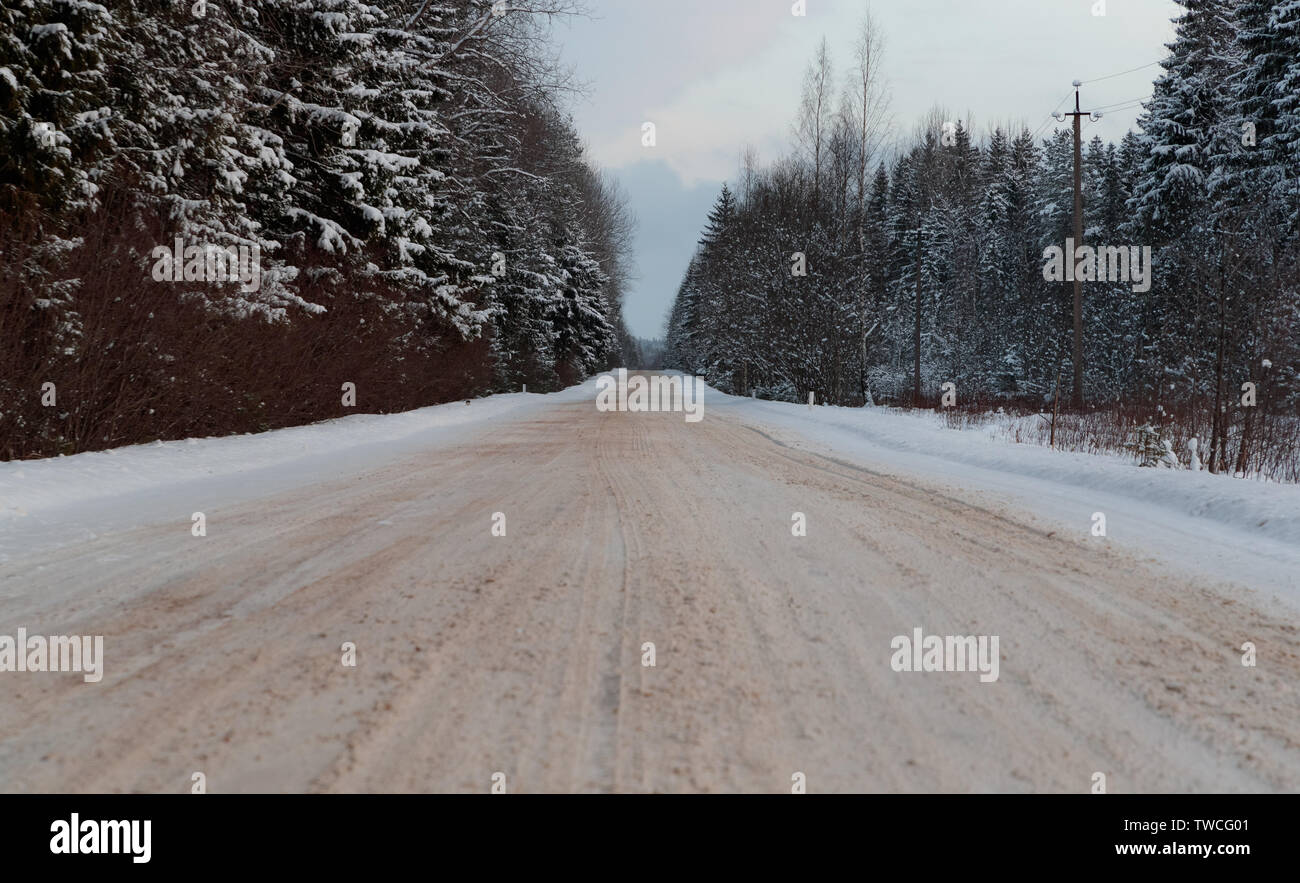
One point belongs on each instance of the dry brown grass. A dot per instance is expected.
(1272, 451)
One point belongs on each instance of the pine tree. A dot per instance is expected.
(1265, 167)
(1183, 119)
(53, 87)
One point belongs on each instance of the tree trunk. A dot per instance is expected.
(1217, 441)
(1243, 452)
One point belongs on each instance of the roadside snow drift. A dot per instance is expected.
(1233, 529)
(51, 502)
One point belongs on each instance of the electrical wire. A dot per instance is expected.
(1049, 116)
(1139, 99)
(1120, 74)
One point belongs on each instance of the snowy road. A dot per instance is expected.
(523, 654)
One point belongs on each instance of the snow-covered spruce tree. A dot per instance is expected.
(954, 270)
(1283, 143)
(1010, 264)
(523, 341)
(1185, 115)
(716, 293)
(56, 142)
(1182, 131)
(53, 84)
(875, 277)
(906, 205)
(1152, 449)
(192, 148)
(1109, 332)
(1258, 160)
(1214, 205)
(957, 339)
(1049, 347)
(1256, 187)
(368, 150)
(996, 259)
(683, 323)
(55, 145)
(584, 337)
(551, 221)
(369, 214)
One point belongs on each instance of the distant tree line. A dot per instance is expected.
(927, 267)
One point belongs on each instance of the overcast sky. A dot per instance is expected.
(713, 75)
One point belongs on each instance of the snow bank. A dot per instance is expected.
(46, 503)
(1230, 529)
(1234, 529)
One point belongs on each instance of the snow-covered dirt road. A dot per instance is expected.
(523, 654)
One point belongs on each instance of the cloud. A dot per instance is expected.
(670, 216)
(715, 75)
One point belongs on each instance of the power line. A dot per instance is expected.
(1127, 106)
(1106, 108)
(1139, 99)
(1050, 113)
(1116, 107)
(1097, 79)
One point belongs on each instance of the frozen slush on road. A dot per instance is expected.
(516, 644)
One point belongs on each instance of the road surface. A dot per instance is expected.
(522, 654)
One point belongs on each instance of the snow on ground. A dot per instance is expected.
(52, 502)
(1242, 531)
(1231, 529)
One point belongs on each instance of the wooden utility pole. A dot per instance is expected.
(1219, 425)
(1077, 398)
(916, 336)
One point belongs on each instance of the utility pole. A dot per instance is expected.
(916, 337)
(1077, 399)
